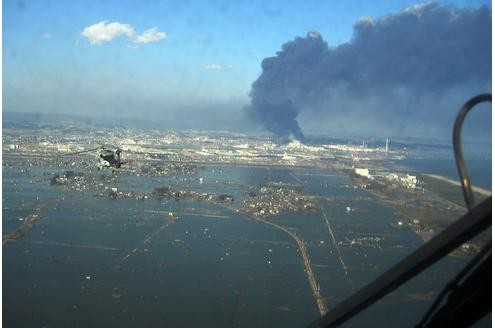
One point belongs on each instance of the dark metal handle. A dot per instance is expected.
(459, 158)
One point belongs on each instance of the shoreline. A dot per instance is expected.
(479, 190)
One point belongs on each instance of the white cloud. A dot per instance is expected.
(150, 35)
(212, 66)
(103, 31)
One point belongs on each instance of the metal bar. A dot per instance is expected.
(442, 244)
(459, 158)
(454, 283)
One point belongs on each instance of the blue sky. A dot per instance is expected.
(210, 56)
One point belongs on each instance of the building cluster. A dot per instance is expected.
(193, 147)
(156, 169)
(275, 198)
(177, 194)
(403, 180)
(364, 242)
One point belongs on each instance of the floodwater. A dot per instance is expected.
(93, 261)
(479, 169)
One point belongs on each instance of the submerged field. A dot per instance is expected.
(92, 260)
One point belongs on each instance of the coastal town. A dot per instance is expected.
(154, 153)
(319, 195)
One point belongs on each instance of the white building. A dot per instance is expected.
(410, 181)
(63, 147)
(363, 172)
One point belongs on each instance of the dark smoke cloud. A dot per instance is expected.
(403, 73)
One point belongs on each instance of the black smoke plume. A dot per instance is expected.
(405, 72)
